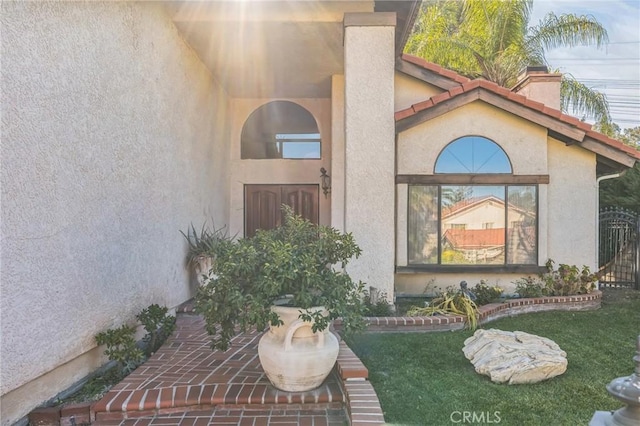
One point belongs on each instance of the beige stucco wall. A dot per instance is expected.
(337, 152)
(573, 215)
(418, 148)
(524, 143)
(274, 171)
(113, 139)
(370, 151)
(410, 90)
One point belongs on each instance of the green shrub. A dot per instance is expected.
(530, 287)
(376, 304)
(303, 261)
(121, 347)
(121, 343)
(486, 294)
(565, 281)
(568, 280)
(158, 326)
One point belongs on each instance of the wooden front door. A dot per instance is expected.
(262, 205)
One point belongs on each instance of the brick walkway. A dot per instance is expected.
(186, 383)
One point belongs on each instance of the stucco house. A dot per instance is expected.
(124, 122)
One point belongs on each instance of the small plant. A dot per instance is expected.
(203, 243)
(450, 302)
(568, 279)
(486, 294)
(158, 326)
(376, 304)
(565, 281)
(530, 287)
(121, 347)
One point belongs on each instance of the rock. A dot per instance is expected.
(514, 357)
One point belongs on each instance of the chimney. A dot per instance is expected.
(537, 84)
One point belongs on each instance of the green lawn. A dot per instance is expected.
(424, 378)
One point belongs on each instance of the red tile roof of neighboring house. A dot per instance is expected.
(466, 86)
(474, 238)
(469, 203)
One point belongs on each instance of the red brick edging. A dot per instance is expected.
(487, 313)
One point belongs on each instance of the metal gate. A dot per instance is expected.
(619, 248)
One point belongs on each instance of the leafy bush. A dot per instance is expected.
(530, 287)
(121, 347)
(376, 304)
(565, 281)
(300, 260)
(158, 326)
(121, 343)
(568, 279)
(450, 301)
(486, 294)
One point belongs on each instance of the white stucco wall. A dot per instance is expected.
(113, 139)
(275, 171)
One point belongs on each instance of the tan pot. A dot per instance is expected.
(202, 267)
(295, 358)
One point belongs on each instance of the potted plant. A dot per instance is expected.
(291, 279)
(202, 247)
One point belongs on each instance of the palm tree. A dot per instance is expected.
(492, 39)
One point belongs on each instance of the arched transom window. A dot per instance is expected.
(280, 129)
(473, 211)
(473, 154)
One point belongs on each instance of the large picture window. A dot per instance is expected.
(469, 224)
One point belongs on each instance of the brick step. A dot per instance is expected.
(147, 402)
(249, 415)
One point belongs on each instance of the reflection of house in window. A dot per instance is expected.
(455, 226)
(280, 129)
(470, 220)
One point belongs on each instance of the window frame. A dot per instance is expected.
(280, 142)
(504, 180)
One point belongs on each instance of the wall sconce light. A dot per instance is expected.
(326, 181)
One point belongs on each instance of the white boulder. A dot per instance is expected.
(514, 357)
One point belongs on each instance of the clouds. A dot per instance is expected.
(613, 69)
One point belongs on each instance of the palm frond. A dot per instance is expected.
(567, 30)
(582, 100)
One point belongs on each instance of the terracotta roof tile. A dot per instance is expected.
(533, 104)
(399, 115)
(452, 75)
(503, 91)
(423, 105)
(473, 84)
(584, 125)
(455, 91)
(516, 97)
(614, 143)
(440, 97)
(569, 119)
(468, 85)
(556, 113)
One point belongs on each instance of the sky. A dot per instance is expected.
(613, 69)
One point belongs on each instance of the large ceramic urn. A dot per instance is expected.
(295, 358)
